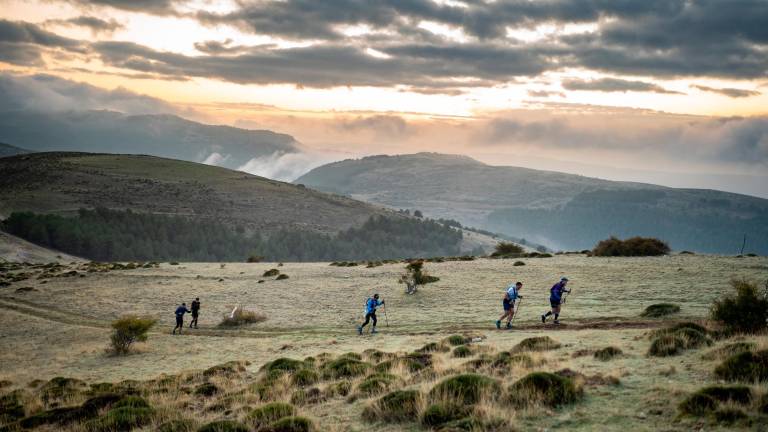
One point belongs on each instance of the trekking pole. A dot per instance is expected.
(515, 310)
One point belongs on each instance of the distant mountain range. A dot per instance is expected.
(562, 211)
(158, 135)
(9, 150)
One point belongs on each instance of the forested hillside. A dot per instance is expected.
(111, 235)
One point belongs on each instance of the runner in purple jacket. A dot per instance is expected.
(556, 299)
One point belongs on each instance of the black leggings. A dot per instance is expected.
(370, 316)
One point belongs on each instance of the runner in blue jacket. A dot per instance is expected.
(556, 299)
(180, 311)
(370, 313)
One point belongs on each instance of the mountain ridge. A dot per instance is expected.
(561, 211)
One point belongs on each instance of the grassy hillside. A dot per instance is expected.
(62, 183)
(158, 135)
(562, 211)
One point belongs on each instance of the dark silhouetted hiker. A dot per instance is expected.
(370, 313)
(556, 299)
(510, 297)
(195, 312)
(180, 311)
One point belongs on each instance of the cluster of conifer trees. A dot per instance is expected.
(113, 235)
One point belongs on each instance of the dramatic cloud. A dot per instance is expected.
(50, 93)
(96, 25)
(387, 126)
(156, 7)
(730, 92)
(615, 85)
(23, 43)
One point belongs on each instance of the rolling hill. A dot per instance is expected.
(562, 211)
(158, 135)
(64, 182)
(9, 150)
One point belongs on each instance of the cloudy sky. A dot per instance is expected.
(664, 91)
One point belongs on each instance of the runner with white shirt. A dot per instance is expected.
(510, 297)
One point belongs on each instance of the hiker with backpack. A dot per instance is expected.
(511, 296)
(370, 313)
(195, 312)
(180, 311)
(556, 299)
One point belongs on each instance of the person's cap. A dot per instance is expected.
(183, 303)
(518, 283)
(197, 298)
(564, 279)
(376, 295)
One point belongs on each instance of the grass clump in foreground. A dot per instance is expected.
(728, 350)
(241, 317)
(736, 394)
(123, 418)
(674, 340)
(270, 413)
(442, 413)
(607, 353)
(747, 367)
(345, 367)
(538, 343)
(659, 310)
(224, 426)
(635, 246)
(544, 388)
(462, 351)
(128, 330)
(465, 389)
(744, 311)
(290, 424)
(397, 406)
(698, 404)
(377, 383)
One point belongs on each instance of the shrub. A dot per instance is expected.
(291, 424)
(206, 389)
(457, 340)
(737, 394)
(665, 346)
(729, 416)
(466, 389)
(183, 425)
(377, 383)
(283, 364)
(506, 249)
(226, 369)
(271, 273)
(308, 396)
(607, 353)
(397, 406)
(304, 377)
(660, 310)
(433, 347)
(282, 276)
(57, 416)
(224, 426)
(728, 350)
(697, 404)
(344, 367)
(745, 311)
(11, 407)
(132, 402)
(255, 259)
(340, 388)
(762, 404)
(544, 388)
(124, 418)
(415, 275)
(518, 263)
(462, 351)
(635, 246)
(270, 413)
(538, 343)
(441, 413)
(747, 366)
(128, 330)
(242, 316)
